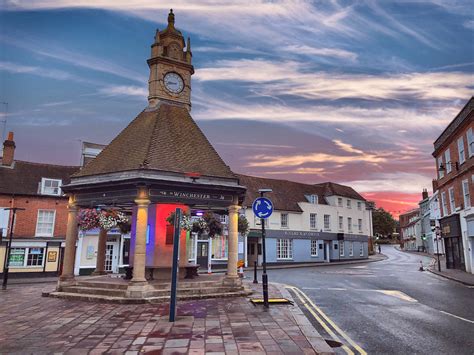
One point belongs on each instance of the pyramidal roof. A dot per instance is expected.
(165, 139)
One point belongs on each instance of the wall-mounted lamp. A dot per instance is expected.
(443, 168)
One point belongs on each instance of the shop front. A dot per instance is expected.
(451, 234)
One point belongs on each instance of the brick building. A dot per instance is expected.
(454, 154)
(410, 230)
(39, 231)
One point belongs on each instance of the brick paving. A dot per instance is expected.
(31, 324)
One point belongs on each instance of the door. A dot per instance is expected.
(202, 254)
(111, 258)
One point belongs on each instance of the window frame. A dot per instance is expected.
(26, 255)
(314, 246)
(327, 227)
(447, 158)
(349, 224)
(37, 234)
(466, 193)
(311, 215)
(351, 248)
(452, 201)
(313, 199)
(470, 142)
(349, 204)
(359, 224)
(440, 171)
(43, 187)
(284, 217)
(444, 203)
(359, 205)
(361, 249)
(461, 150)
(341, 223)
(341, 248)
(283, 244)
(340, 202)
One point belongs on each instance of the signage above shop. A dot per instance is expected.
(190, 195)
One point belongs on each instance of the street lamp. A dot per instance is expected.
(9, 247)
(442, 167)
(264, 262)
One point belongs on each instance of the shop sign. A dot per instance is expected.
(52, 255)
(450, 226)
(189, 195)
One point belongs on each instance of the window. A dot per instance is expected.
(349, 203)
(312, 220)
(359, 206)
(284, 220)
(284, 249)
(462, 156)
(341, 223)
(444, 203)
(314, 247)
(452, 205)
(23, 257)
(465, 192)
(219, 247)
(359, 223)
(447, 159)
(440, 164)
(45, 223)
(349, 224)
(223, 218)
(50, 187)
(470, 142)
(4, 218)
(361, 249)
(313, 199)
(339, 201)
(327, 222)
(341, 249)
(351, 248)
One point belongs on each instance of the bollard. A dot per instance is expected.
(421, 266)
(255, 281)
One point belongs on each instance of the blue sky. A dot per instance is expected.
(346, 91)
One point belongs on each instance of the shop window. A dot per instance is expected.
(191, 246)
(465, 192)
(284, 220)
(314, 247)
(284, 249)
(327, 222)
(24, 257)
(17, 257)
(341, 249)
(361, 250)
(219, 247)
(45, 223)
(312, 220)
(351, 248)
(35, 257)
(50, 187)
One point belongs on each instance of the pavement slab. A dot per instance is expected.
(30, 323)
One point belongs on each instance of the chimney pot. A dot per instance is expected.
(8, 150)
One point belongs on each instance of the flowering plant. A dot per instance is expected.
(88, 219)
(199, 226)
(91, 218)
(185, 223)
(214, 225)
(111, 219)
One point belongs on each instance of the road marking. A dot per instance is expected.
(328, 320)
(336, 289)
(455, 316)
(398, 294)
(359, 267)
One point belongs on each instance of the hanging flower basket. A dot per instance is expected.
(199, 226)
(214, 225)
(91, 219)
(243, 225)
(88, 219)
(185, 224)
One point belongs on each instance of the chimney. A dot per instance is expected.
(424, 194)
(8, 150)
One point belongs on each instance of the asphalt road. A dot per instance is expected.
(387, 307)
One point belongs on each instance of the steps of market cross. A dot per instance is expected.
(116, 292)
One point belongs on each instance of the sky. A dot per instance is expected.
(353, 92)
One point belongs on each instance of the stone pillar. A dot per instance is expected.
(233, 246)
(71, 237)
(101, 250)
(139, 257)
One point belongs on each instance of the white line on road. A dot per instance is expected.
(455, 316)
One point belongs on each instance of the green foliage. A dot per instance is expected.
(214, 225)
(243, 225)
(383, 222)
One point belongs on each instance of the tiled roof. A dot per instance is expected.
(24, 177)
(286, 194)
(165, 139)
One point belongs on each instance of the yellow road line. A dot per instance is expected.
(320, 321)
(336, 328)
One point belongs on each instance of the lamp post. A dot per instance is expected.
(6, 263)
(437, 234)
(264, 262)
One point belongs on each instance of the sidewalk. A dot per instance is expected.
(32, 324)
(452, 274)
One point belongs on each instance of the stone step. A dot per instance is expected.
(102, 285)
(94, 291)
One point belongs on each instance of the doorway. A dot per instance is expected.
(111, 257)
(202, 254)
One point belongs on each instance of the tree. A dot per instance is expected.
(383, 222)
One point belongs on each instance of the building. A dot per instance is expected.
(435, 216)
(310, 223)
(39, 231)
(410, 230)
(454, 155)
(426, 224)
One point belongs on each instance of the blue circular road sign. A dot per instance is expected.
(262, 207)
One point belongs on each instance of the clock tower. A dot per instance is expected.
(170, 67)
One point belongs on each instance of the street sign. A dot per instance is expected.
(262, 207)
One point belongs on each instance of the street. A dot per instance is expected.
(386, 307)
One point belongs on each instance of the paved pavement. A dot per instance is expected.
(387, 307)
(31, 324)
(453, 274)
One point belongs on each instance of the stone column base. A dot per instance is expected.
(139, 290)
(232, 281)
(65, 281)
(99, 273)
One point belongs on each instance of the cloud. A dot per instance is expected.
(324, 52)
(347, 147)
(124, 90)
(39, 71)
(400, 182)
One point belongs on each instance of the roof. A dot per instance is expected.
(23, 177)
(286, 194)
(165, 139)
(465, 114)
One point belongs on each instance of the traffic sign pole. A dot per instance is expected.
(264, 264)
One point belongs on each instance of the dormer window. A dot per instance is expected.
(313, 199)
(51, 187)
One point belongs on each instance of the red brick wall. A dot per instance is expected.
(25, 221)
(455, 177)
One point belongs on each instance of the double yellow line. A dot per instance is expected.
(329, 326)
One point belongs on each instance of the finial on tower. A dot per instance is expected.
(157, 36)
(188, 47)
(171, 19)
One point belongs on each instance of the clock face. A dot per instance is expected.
(173, 83)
